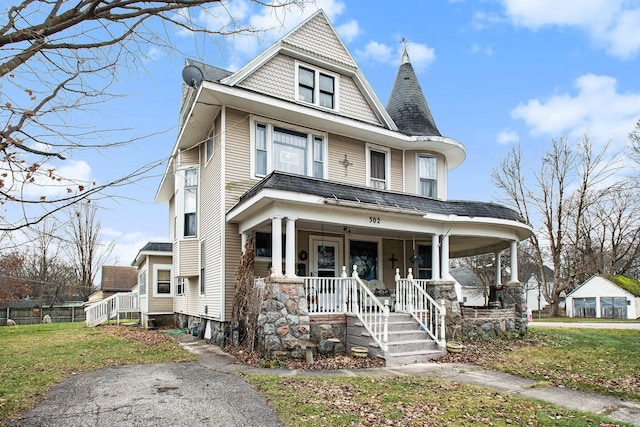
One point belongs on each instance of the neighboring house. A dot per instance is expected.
(155, 285)
(115, 278)
(295, 151)
(615, 297)
(534, 293)
(471, 291)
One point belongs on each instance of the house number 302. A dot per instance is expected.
(374, 220)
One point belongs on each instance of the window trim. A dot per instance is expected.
(181, 286)
(142, 284)
(387, 166)
(180, 207)
(270, 125)
(156, 269)
(210, 140)
(316, 87)
(202, 284)
(419, 178)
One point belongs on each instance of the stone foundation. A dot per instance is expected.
(445, 290)
(328, 327)
(219, 331)
(489, 323)
(284, 319)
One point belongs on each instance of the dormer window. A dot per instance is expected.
(316, 87)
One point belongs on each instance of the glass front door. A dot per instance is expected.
(326, 257)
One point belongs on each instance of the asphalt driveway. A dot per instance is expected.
(179, 394)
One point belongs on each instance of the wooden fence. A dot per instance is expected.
(31, 316)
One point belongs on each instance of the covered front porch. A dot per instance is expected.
(356, 251)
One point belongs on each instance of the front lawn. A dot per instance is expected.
(605, 361)
(406, 401)
(35, 357)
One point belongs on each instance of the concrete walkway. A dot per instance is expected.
(215, 359)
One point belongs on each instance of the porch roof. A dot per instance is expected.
(388, 199)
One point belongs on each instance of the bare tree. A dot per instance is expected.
(12, 283)
(566, 184)
(49, 274)
(63, 56)
(87, 251)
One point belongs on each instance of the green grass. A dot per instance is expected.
(35, 357)
(405, 401)
(582, 320)
(605, 361)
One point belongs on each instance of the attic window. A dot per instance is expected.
(316, 87)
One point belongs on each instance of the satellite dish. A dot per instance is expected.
(192, 76)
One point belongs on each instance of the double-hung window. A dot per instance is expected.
(316, 87)
(428, 173)
(287, 150)
(378, 168)
(162, 280)
(190, 201)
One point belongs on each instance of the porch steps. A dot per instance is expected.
(406, 342)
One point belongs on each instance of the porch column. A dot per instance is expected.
(498, 263)
(514, 261)
(445, 257)
(290, 248)
(435, 256)
(243, 239)
(276, 245)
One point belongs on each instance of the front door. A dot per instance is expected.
(326, 257)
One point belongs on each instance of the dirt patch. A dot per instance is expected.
(138, 334)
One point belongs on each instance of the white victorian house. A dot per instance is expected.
(295, 152)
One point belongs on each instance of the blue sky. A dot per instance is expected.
(494, 72)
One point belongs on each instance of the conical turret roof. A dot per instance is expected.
(407, 105)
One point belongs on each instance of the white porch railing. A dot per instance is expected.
(412, 298)
(345, 294)
(108, 308)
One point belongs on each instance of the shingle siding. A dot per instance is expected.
(318, 38)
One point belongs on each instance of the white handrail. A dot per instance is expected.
(370, 311)
(108, 308)
(413, 299)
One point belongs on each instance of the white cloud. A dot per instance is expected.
(376, 52)
(127, 245)
(421, 55)
(611, 24)
(482, 20)
(483, 50)
(597, 109)
(349, 30)
(506, 137)
(73, 173)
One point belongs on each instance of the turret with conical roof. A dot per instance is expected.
(407, 105)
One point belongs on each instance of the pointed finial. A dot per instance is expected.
(405, 55)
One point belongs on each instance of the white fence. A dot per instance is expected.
(108, 308)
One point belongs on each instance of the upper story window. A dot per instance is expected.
(428, 176)
(378, 168)
(287, 150)
(190, 201)
(317, 87)
(209, 147)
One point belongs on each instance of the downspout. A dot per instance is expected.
(223, 228)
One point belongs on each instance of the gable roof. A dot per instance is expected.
(407, 105)
(153, 248)
(117, 278)
(627, 283)
(338, 192)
